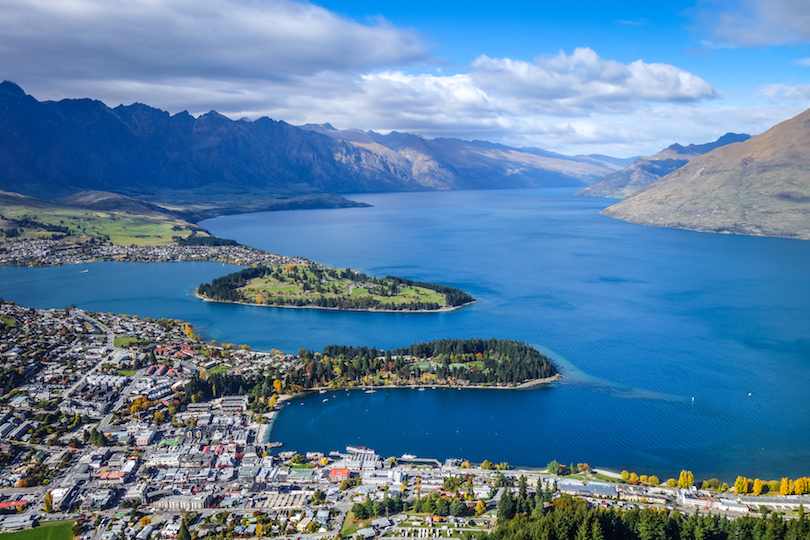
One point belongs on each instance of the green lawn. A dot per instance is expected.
(217, 370)
(9, 321)
(49, 530)
(349, 526)
(124, 342)
(265, 289)
(126, 372)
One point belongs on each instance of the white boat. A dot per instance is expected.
(322, 391)
(371, 391)
(325, 400)
(406, 457)
(359, 450)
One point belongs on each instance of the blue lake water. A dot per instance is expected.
(640, 320)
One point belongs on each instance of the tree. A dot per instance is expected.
(653, 480)
(487, 464)
(672, 482)
(183, 533)
(625, 475)
(757, 487)
(47, 502)
(145, 521)
(686, 479)
(553, 467)
(506, 507)
(784, 487)
(741, 485)
(457, 508)
(480, 508)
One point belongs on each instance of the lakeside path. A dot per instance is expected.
(522, 386)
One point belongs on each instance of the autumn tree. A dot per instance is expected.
(47, 502)
(784, 487)
(757, 487)
(741, 485)
(686, 479)
(480, 508)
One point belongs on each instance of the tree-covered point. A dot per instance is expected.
(453, 362)
(337, 288)
(208, 241)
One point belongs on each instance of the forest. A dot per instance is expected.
(573, 519)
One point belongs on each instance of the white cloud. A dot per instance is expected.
(157, 40)
(802, 62)
(583, 82)
(753, 23)
(294, 61)
(781, 92)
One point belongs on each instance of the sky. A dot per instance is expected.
(579, 77)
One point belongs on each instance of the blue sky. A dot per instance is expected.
(623, 78)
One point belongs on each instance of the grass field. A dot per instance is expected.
(124, 342)
(216, 370)
(292, 286)
(52, 530)
(349, 526)
(120, 227)
(126, 372)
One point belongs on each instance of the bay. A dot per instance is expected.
(640, 320)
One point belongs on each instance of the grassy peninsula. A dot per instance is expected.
(312, 285)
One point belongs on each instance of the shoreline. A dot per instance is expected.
(522, 386)
(310, 306)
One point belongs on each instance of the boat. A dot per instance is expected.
(371, 391)
(84, 271)
(421, 389)
(406, 457)
(325, 400)
(274, 444)
(360, 450)
(322, 391)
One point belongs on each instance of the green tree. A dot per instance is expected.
(183, 533)
(553, 467)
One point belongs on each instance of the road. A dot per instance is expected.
(110, 345)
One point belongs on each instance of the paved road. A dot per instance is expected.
(110, 345)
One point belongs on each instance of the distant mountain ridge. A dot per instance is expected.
(757, 187)
(56, 149)
(648, 170)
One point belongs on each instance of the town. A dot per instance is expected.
(58, 252)
(105, 422)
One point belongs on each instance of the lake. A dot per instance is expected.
(639, 320)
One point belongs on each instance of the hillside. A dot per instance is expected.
(56, 149)
(99, 216)
(758, 187)
(649, 169)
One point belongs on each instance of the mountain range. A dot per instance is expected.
(649, 169)
(757, 187)
(56, 149)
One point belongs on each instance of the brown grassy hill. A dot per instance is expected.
(758, 187)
